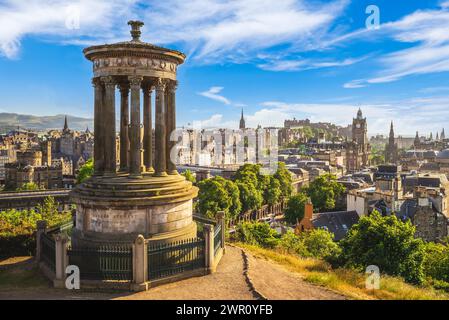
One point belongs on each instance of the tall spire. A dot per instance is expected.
(391, 133)
(66, 127)
(359, 113)
(442, 136)
(242, 122)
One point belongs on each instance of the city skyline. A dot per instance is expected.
(308, 59)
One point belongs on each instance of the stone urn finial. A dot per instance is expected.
(135, 29)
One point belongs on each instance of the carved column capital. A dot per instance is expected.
(96, 82)
(135, 81)
(108, 81)
(160, 84)
(124, 88)
(173, 86)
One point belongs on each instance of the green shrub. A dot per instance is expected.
(387, 243)
(17, 228)
(257, 233)
(436, 262)
(320, 244)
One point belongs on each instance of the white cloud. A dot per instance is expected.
(408, 115)
(213, 93)
(48, 19)
(305, 64)
(425, 31)
(211, 31)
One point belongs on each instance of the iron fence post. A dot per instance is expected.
(41, 227)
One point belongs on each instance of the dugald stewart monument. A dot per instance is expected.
(146, 195)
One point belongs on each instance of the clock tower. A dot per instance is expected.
(358, 150)
(360, 129)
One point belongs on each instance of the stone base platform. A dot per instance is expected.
(118, 208)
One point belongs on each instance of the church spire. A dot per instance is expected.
(66, 127)
(242, 122)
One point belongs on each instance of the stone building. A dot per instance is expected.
(358, 150)
(33, 166)
(391, 149)
(7, 155)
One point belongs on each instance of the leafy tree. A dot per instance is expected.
(189, 176)
(86, 171)
(295, 208)
(218, 194)
(292, 243)
(436, 262)
(273, 192)
(257, 233)
(48, 208)
(320, 244)
(250, 197)
(387, 243)
(285, 180)
(324, 192)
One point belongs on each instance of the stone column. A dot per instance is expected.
(61, 260)
(171, 125)
(98, 127)
(124, 124)
(160, 137)
(108, 117)
(135, 148)
(147, 129)
(140, 264)
(209, 248)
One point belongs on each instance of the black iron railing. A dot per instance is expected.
(48, 251)
(166, 260)
(107, 262)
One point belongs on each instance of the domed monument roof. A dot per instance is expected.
(134, 57)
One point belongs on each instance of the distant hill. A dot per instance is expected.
(10, 121)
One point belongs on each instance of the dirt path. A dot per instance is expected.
(230, 282)
(275, 282)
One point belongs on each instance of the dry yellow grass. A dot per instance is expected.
(345, 281)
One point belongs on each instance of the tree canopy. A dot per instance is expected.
(86, 171)
(218, 194)
(324, 192)
(295, 208)
(387, 243)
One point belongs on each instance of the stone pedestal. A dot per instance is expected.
(117, 209)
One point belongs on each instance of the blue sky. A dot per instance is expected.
(276, 59)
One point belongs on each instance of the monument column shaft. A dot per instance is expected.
(98, 127)
(124, 123)
(171, 127)
(147, 129)
(160, 134)
(110, 157)
(135, 148)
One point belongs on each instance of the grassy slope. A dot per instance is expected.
(345, 281)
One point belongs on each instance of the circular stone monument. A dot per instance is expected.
(145, 195)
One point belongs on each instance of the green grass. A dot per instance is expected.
(346, 281)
